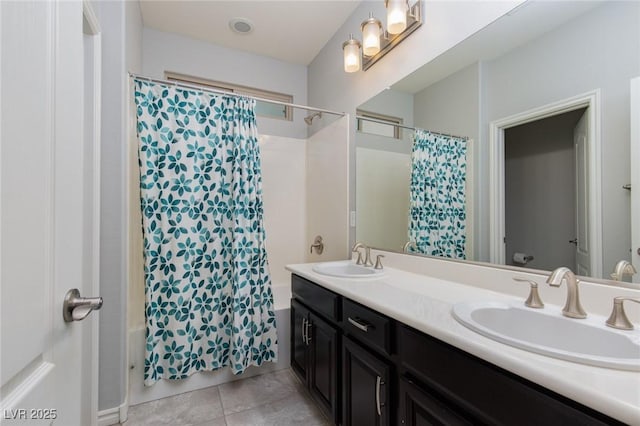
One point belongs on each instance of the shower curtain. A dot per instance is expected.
(437, 215)
(207, 284)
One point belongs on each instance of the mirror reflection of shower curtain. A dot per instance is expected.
(437, 214)
(207, 284)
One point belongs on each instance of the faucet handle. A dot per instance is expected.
(356, 249)
(534, 300)
(618, 318)
(379, 262)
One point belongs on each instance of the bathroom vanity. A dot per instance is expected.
(387, 351)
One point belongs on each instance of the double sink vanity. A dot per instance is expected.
(401, 346)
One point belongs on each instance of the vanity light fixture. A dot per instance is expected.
(402, 20)
(396, 15)
(351, 50)
(371, 31)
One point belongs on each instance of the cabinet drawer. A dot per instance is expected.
(367, 326)
(321, 300)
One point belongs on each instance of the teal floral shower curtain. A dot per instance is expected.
(437, 214)
(207, 284)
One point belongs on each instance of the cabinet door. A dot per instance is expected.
(323, 367)
(299, 328)
(419, 408)
(366, 387)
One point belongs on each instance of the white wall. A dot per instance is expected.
(446, 24)
(597, 50)
(170, 52)
(451, 105)
(121, 26)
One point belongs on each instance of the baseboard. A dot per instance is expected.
(113, 416)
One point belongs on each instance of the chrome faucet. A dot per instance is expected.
(356, 249)
(623, 268)
(572, 307)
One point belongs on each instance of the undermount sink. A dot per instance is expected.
(547, 332)
(347, 269)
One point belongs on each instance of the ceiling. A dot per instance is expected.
(292, 31)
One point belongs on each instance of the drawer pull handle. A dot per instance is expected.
(357, 323)
(379, 382)
(304, 331)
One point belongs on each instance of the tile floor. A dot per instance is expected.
(276, 399)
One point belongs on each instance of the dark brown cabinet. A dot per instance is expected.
(481, 391)
(315, 356)
(419, 407)
(299, 348)
(367, 369)
(323, 364)
(366, 387)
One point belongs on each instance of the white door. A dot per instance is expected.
(45, 363)
(581, 150)
(635, 176)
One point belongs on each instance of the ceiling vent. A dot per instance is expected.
(241, 25)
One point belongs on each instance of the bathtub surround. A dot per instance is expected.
(327, 195)
(208, 290)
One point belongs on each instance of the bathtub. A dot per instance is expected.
(138, 393)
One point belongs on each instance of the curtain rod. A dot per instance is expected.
(359, 117)
(224, 92)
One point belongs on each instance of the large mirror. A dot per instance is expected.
(541, 101)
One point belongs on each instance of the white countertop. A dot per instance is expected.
(425, 303)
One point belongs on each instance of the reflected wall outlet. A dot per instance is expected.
(352, 219)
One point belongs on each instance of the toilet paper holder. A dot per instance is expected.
(522, 258)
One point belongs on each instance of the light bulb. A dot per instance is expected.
(371, 29)
(351, 50)
(397, 16)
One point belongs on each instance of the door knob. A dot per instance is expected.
(76, 308)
